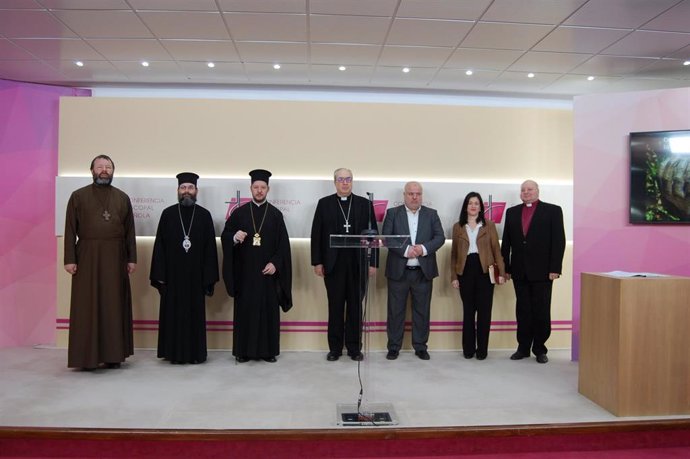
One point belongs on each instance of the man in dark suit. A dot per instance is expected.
(343, 213)
(411, 269)
(532, 248)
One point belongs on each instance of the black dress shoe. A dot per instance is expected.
(468, 356)
(424, 355)
(392, 355)
(481, 356)
(113, 365)
(242, 359)
(269, 359)
(517, 355)
(357, 357)
(542, 358)
(332, 356)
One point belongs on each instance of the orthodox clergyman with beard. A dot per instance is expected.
(184, 269)
(257, 270)
(100, 254)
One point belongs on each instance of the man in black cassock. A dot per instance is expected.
(342, 213)
(184, 268)
(257, 270)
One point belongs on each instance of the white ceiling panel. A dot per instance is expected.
(500, 40)
(20, 4)
(394, 77)
(32, 24)
(443, 9)
(353, 75)
(666, 68)
(673, 20)
(91, 69)
(223, 72)
(59, 48)
(272, 52)
(10, 51)
(37, 71)
(130, 50)
(579, 84)
(267, 27)
(201, 50)
(519, 82)
(645, 44)
(619, 13)
(531, 11)
(348, 29)
(580, 39)
(457, 79)
(428, 32)
(84, 4)
(505, 36)
(174, 5)
(548, 62)
(613, 65)
(353, 7)
(192, 25)
(487, 59)
(104, 24)
(414, 55)
(264, 6)
(288, 74)
(158, 71)
(345, 54)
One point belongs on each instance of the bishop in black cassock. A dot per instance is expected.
(344, 270)
(257, 271)
(184, 269)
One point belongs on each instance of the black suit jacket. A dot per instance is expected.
(540, 252)
(429, 234)
(328, 220)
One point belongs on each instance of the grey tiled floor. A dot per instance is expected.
(301, 390)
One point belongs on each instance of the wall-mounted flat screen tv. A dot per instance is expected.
(660, 177)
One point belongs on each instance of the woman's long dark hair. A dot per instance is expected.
(463, 210)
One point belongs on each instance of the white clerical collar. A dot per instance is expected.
(344, 198)
(259, 204)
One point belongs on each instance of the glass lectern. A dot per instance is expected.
(366, 412)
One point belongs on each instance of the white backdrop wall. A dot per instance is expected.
(451, 149)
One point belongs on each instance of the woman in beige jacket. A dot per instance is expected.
(475, 248)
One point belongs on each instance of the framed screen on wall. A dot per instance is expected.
(660, 177)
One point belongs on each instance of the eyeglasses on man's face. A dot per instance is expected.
(344, 179)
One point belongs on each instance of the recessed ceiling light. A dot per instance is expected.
(686, 63)
(79, 64)
(211, 65)
(590, 78)
(468, 72)
(342, 68)
(276, 66)
(145, 63)
(530, 75)
(406, 70)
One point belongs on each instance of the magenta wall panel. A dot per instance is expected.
(28, 166)
(603, 240)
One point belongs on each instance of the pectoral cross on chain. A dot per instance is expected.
(347, 227)
(106, 215)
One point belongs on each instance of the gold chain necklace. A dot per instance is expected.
(257, 236)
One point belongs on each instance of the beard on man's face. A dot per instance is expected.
(102, 179)
(186, 199)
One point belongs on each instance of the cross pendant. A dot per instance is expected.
(106, 215)
(347, 227)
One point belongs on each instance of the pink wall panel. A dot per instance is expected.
(603, 238)
(28, 155)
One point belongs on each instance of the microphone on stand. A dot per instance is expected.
(369, 231)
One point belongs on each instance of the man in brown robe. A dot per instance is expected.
(100, 254)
